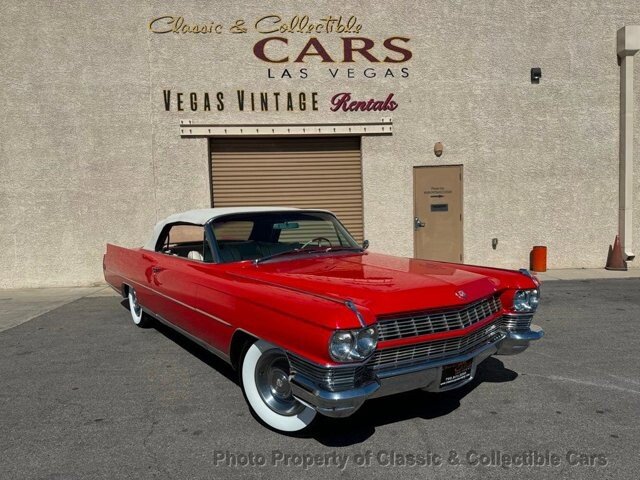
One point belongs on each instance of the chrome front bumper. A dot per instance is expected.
(425, 376)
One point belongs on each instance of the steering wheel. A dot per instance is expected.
(318, 240)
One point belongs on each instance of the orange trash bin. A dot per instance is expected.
(538, 259)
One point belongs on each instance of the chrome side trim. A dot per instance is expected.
(191, 337)
(535, 279)
(197, 310)
(351, 306)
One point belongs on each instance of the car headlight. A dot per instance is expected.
(353, 345)
(526, 300)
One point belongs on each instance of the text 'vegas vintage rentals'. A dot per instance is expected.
(313, 322)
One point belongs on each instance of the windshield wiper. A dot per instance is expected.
(344, 249)
(308, 250)
(286, 252)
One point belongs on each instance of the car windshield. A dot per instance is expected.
(264, 235)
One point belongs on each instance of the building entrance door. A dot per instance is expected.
(437, 213)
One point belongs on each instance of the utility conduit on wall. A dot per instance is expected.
(628, 46)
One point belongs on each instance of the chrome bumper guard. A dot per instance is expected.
(332, 404)
(518, 341)
(425, 376)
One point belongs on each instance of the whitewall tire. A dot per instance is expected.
(138, 316)
(264, 377)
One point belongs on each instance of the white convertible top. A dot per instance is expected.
(202, 216)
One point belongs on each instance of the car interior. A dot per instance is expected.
(230, 250)
(234, 251)
(239, 239)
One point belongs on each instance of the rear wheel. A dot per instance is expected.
(264, 376)
(140, 318)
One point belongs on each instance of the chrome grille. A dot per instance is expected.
(518, 323)
(426, 351)
(391, 327)
(330, 378)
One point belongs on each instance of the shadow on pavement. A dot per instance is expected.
(197, 351)
(404, 406)
(193, 348)
(376, 412)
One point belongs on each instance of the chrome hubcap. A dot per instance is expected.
(272, 380)
(280, 386)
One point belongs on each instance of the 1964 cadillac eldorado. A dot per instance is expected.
(313, 322)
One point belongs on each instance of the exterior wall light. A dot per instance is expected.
(536, 74)
(438, 148)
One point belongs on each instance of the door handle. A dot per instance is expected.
(417, 223)
(156, 269)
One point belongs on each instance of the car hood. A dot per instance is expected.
(381, 283)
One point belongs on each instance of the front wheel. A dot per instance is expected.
(264, 376)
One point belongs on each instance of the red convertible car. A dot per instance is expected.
(312, 321)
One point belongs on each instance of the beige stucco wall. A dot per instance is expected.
(89, 155)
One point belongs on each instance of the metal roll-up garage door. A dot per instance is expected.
(306, 172)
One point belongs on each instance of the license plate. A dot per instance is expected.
(456, 372)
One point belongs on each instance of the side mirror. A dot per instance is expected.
(365, 244)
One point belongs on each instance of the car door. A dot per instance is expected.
(147, 288)
(174, 275)
(216, 304)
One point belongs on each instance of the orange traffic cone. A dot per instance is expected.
(615, 259)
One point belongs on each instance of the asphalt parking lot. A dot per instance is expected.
(85, 394)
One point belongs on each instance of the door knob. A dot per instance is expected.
(417, 223)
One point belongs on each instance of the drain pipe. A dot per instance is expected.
(628, 46)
